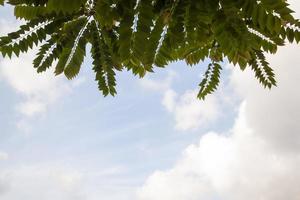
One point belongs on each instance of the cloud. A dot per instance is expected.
(159, 85)
(239, 166)
(168, 100)
(257, 159)
(4, 186)
(3, 156)
(275, 113)
(8, 25)
(63, 181)
(41, 182)
(189, 112)
(295, 5)
(38, 91)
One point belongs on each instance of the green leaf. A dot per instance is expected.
(46, 55)
(144, 24)
(30, 12)
(65, 6)
(210, 81)
(96, 52)
(263, 72)
(152, 45)
(125, 30)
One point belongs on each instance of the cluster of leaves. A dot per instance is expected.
(139, 34)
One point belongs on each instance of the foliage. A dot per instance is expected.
(138, 35)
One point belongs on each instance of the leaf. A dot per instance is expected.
(97, 61)
(195, 56)
(210, 81)
(65, 6)
(263, 72)
(103, 63)
(73, 66)
(24, 38)
(30, 12)
(144, 23)
(125, 30)
(46, 55)
(152, 45)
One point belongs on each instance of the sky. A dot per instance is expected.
(63, 140)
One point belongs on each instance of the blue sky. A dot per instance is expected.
(62, 139)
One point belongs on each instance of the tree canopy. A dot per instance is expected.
(139, 35)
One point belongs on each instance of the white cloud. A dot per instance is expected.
(257, 159)
(295, 5)
(41, 182)
(158, 85)
(190, 113)
(8, 25)
(32, 107)
(239, 166)
(38, 90)
(62, 181)
(4, 186)
(274, 112)
(168, 100)
(3, 156)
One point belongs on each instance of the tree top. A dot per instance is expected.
(138, 35)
